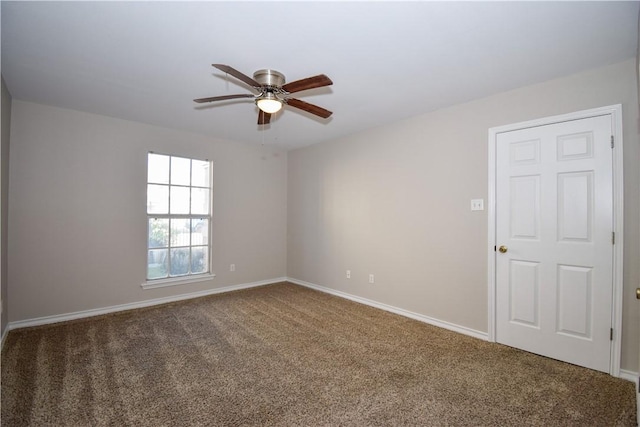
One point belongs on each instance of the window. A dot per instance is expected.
(178, 217)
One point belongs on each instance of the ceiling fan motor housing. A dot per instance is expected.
(268, 77)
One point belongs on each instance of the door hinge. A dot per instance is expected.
(613, 237)
(611, 334)
(611, 141)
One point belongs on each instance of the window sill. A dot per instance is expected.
(177, 281)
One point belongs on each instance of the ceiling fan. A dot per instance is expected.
(273, 92)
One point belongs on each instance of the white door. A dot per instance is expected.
(554, 224)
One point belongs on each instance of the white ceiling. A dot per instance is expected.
(147, 61)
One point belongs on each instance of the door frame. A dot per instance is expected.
(615, 112)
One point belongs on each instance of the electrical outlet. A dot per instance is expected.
(371, 278)
(348, 274)
(232, 267)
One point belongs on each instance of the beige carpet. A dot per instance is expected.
(287, 355)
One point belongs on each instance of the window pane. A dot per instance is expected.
(179, 261)
(179, 200)
(180, 171)
(199, 259)
(199, 201)
(157, 199)
(199, 231)
(157, 263)
(158, 169)
(200, 173)
(158, 232)
(180, 232)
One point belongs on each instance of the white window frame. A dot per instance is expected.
(191, 277)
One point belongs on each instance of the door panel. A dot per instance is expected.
(525, 207)
(575, 206)
(554, 214)
(574, 309)
(523, 297)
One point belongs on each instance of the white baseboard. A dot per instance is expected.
(629, 376)
(130, 306)
(624, 374)
(402, 312)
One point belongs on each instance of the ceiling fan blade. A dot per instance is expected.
(238, 75)
(263, 118)
(310, 108)
(223, 97)
(309, 83)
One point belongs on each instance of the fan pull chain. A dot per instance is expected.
(277, 131)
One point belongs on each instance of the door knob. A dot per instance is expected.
(637, 293)
(504, 249)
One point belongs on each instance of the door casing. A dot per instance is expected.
(615, 112)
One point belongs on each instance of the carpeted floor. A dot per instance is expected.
(286, 355)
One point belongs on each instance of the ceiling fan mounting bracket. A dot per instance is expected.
(269, 78)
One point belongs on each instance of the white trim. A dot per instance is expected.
(177, 281)
(130, 306)
(629, 376)
(402, 312)
(615, 111)
(491, 238)
(4, 337)
(618, 228)
(623, 373)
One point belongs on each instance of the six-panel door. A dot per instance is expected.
(554, 215)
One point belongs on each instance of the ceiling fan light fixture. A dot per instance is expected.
(269, 103)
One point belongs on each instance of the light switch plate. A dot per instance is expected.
(477, 204)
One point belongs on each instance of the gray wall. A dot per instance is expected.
(77, 210)
(5, 109)
(395, 201)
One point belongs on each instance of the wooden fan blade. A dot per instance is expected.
(309, 83)
(237, 74)
(310, 108)
(223, 97)
(263, 118)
